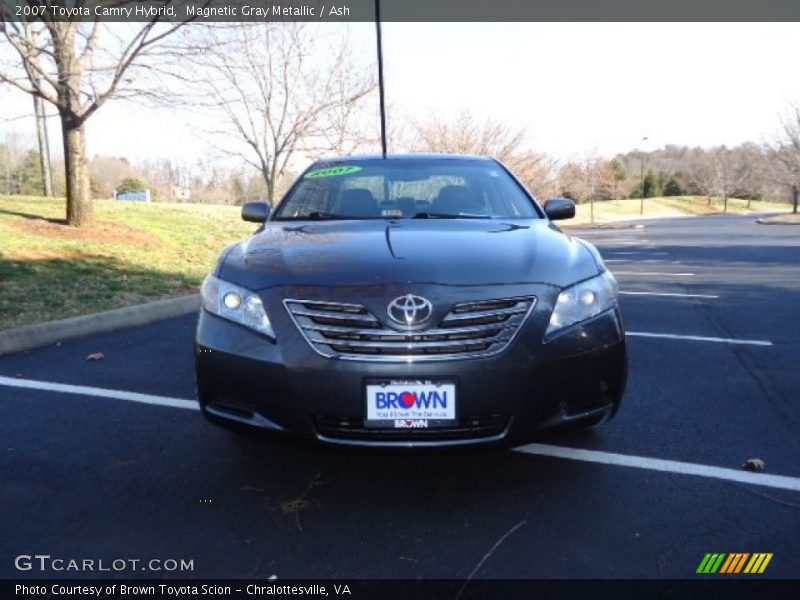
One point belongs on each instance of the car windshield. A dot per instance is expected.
(397, 188)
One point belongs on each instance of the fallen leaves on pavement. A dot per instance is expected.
(754, 464)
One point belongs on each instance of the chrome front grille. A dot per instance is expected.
(468, 330)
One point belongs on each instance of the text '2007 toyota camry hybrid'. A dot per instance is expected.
(413, 300)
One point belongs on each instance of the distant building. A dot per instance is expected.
(181, 194)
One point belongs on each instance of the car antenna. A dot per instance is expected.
(380, 75)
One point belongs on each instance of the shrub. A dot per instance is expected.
(131, 184)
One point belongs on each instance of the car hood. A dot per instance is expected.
(440, 251)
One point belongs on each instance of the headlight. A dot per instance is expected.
(583, 301)
(235, 304)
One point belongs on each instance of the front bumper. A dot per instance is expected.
(577, 378)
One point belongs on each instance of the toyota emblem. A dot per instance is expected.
(409, 310)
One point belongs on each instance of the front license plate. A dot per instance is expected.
(410, 404)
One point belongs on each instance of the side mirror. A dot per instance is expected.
(257, 212)
(559, 208)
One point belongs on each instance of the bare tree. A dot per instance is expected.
(571, 182)
(43, 138)
(277, 97)
(785, 155)
(589, 180)
(728, 171)
(536, 171)
(753, 172)
(701, 173)
(465, 134)
(77, 67)
(600, 180)
(350, 126)
(106, 173)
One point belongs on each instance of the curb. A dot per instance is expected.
(765, 221)
(604, 225)
(44, 334)
(635, 222)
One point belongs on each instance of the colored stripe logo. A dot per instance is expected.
(733, 563)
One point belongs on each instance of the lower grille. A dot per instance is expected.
(351, 331)
(352, 428)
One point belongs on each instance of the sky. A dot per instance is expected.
(577, 88)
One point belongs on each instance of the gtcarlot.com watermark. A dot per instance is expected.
(44, 563)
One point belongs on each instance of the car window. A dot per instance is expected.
(406, 188)
(312, 196)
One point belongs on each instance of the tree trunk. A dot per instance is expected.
(270, 181)
(80, 210)
(795, 193)
(44, 146)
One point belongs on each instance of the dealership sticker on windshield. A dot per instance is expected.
(411, 404)
(333, 171)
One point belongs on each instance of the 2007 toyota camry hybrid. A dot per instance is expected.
(413, 300)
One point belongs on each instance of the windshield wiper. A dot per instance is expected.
(436, 215)
(315, 216)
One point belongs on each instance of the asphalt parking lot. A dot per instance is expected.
(712, 306)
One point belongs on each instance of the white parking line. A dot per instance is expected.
(667, 466)
(100, 392)
(641, 261)
(613, 232)
(654, 273)
(626, 253)
(667, 294)
(621, 241)
(698, 338)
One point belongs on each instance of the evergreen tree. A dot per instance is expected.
(673, 188)
(651, 188)
(27, 177)
(131, 184)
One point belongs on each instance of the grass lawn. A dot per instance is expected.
(621, 210)
(135, 253)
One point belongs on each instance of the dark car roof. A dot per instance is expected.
(405, 156)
